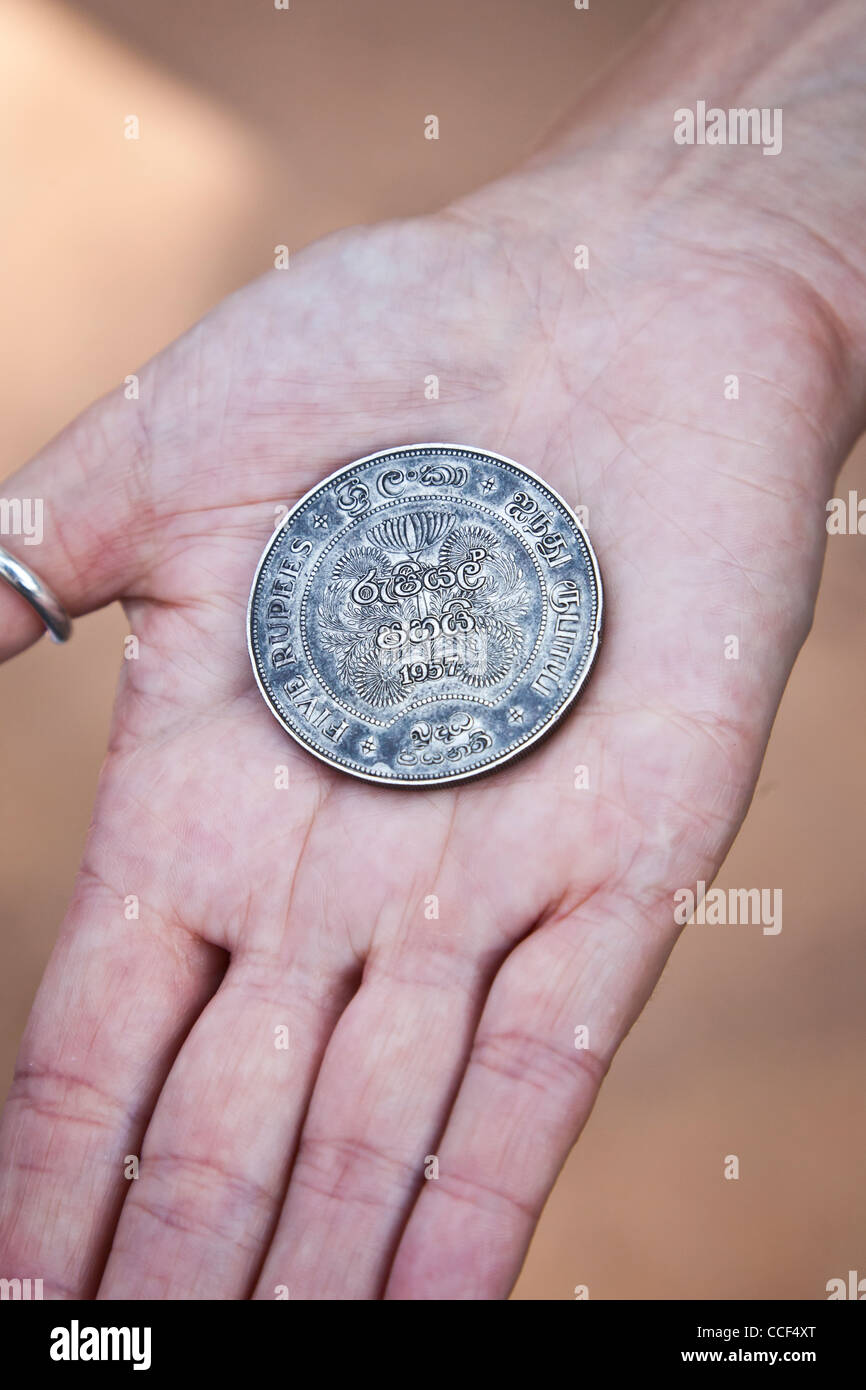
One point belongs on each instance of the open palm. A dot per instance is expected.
(335, 1089)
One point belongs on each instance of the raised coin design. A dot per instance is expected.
(425, 615)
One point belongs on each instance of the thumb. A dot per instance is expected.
(79, 515)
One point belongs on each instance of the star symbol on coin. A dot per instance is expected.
(515, 716)
(488, 485)
(368, 747)
(321, 522)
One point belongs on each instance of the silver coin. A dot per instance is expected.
(425, 615)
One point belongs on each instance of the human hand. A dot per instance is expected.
(304, 1168)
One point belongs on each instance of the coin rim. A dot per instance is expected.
(561, 711)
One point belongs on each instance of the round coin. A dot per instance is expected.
(425, 615)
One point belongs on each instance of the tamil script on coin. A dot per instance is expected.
(425, 615)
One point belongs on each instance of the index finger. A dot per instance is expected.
(114, 1006)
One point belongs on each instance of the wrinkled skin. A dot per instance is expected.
(303, 1167)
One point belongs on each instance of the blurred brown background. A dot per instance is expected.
(261, 127)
